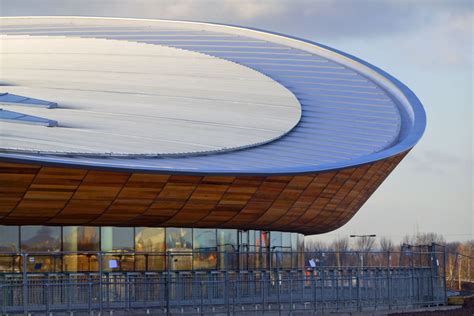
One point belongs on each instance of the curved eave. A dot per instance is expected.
(407, 99)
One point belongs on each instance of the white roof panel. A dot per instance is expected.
(128, 98)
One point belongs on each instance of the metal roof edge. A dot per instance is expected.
(409, 141)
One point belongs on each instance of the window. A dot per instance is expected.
(276, 248)
(40, 238)
(252, 263)
(83, 241)
(81, 238)
(150, 248)
(179, 243)
(205, 249)
(117, 239)
(294, 250)
(9, 242)
(9, 239)
(117, 242)
(286, 250)
(36, 240)
(227, 247)
(300, 247)
(263, 249)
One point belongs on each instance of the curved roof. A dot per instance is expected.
(351, 112)
(147, 100)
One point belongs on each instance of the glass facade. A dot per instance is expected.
(227, 247)
(82, 242)
(150, 246)
(276, 248)
(39, 241)
(179, 244)
(9, 243)
(118, 243)
(205, 249)
(77, 248)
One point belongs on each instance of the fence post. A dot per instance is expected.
(359, 305)
(46, 295)
(314, 280)
(291, 296)
(433, 271)
(127, 291)
(277, 278)
(90, 294)
(100, 282)
(168, 283)
(25, 282)
(444, 276)
(413, 279)
(389, 280)
(226, 291)
(336, 286)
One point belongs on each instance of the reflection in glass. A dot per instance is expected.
(205, 247)
(294, 250)
(9, 239)
(117, 240)
(150, 241)
(257, 251)
(82, 240)
(243, 249)
(179, 242)
(9, 242)
(252, 249)
(276, 244)
(264, 246)
(227, 246)
(301, 251)
(286, 250)
(42, 239)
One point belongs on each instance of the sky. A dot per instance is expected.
(428, 45)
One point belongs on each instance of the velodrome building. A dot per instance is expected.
(144, 137)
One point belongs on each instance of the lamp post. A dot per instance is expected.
(363, 236)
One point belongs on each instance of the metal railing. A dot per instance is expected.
(330, 282)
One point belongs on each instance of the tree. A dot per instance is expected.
(427, 239)
(386, 244)
(341, 246)
(365, 243)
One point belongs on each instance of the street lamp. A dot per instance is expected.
(362, 236)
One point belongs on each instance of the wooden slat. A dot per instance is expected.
(309, 203)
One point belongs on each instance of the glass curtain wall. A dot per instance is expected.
(227, 247)
(286, 250)
(300, 247)
(205, 249)
(83, 242)
(150, 248)
(9, 244)
(179, 245)
(39, 241)
(118, 245)
(243, 249)
(294, 250)
(74, 249)
(264, 249)
(276, 248)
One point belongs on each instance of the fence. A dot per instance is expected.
(330, 282)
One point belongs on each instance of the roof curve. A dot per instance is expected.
(352, 113)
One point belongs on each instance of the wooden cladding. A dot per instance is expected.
(311, 203)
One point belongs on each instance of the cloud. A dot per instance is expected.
(441, 162)
(324, 17)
